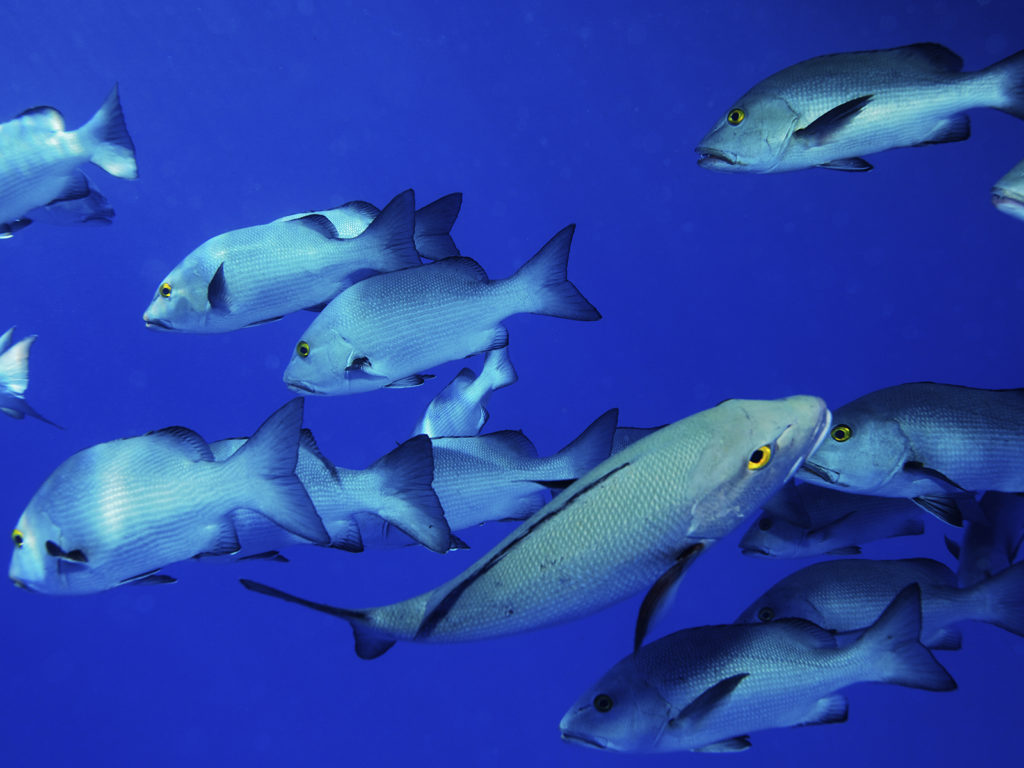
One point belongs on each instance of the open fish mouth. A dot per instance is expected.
(830, 476)
(579, 738)
(711, 157)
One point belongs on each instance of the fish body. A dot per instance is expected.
(460, 409)
(120, 510)
(925, 441)
(626, 525)
(807, 520)
(14, 377)
(992, 542)
(848, 595)
(706, 688)
(831, 110)
(388, 329)
(257, 274)
(1008, 192)
(40, 161)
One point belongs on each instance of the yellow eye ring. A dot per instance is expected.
(18, 538)
(760, 457)
(302, 349)
(735, 116)
(165, 290)
(841, 433)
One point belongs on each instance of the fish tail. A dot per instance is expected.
(498, 371)
(390, 234)
(593, 446)
(115, 151)
(543, 280)
(369, 643)
(408, 500)
(1000, 599)
(14, 375)
(1009, 74)
(433, 227)
(894, 650)
(268, 459)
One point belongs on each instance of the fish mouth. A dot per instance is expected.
(21, 584)
(710, 157)
(755, 552)
(586, 741)
(1008, 202)
(830, 476)
(157, 324)
(302, 386)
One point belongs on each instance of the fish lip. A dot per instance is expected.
(579, 738)
(157, 324)
(710, 157)
(755, 551)
(830, 476)
(301, 386)
(21, 584)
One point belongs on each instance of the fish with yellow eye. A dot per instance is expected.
(14, 378)
(632, 523)
(936, 444)
(258, 274)
(831, 110)
(117, 512)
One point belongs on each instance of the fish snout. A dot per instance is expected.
(830, 476)
(579, 738)
(156, 324)
(21, 584)
(716, 159)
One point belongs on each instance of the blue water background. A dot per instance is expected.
(711, 286)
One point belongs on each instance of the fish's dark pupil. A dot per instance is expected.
(765, 523)
(766, 614)
(756, 456)
(603, 702)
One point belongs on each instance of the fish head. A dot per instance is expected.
(752, 136)
(31, 566)
(1008, 201)
(181, 301)
(773, 536)
(863, 451)
(325, 362)
(622, 712)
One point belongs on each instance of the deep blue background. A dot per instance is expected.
(711, 286)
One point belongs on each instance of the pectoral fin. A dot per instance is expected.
(708, 701)
(824, 129)
(848, 164)
(415, 380)
(917, 469)
(53, 549)
(217, 292)
(662, 593)
(943, 507)
(150, 577)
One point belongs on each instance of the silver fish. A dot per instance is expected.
(40, 161)
(636, 520)
(259, 274)
(704, 689)
(14, 378)
(992, 539)
(119, 511)
(806, 521)
(1008, 192)
(395, 490)
(460, 409)
(830, 110)
(626, 436)
(927, 442)
(848, 595)
(388, 329)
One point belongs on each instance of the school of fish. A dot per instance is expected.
(619, 511)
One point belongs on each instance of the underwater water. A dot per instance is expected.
(711, 286)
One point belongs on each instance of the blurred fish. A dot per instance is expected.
(431, 229)
(806, 521)
(388, 329)
(992, 540)
(396, 490)
(1008, 192)
(848, 595)
(460, 409)
(14, 378)
(830, 110)
(119, 511)
(927, 442)
(704, 689)
(258, 274)
(39, 162)
(636, 520)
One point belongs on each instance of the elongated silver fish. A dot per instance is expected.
(924, 441)
(460, 409)
(14, 377)
(40, 161)
(396, 490)
(830, 110)
(848, 595)
(636, 520)
(387, 330)
(1008, 192)
(258, 274)
(119, 511)
(705, 689)
(806, 521)
(992, 540)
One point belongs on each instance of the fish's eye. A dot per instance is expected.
(735, 116)
(603, 702)
(841, 433)
(18, 538)
(766, 614)
(302, 349)
(760, 457)
(765, 523)
(165, 290)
